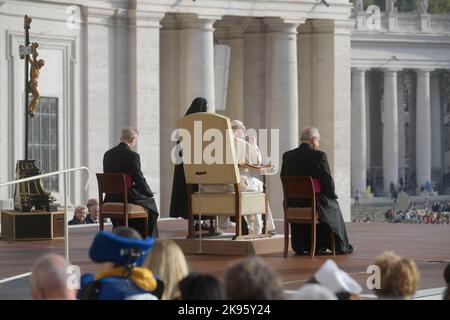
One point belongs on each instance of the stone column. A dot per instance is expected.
(7, 156)
(235, 92)
(376, 125)
(390, 129)
(358, 128)
(283, 98)
(283, 83)
(401, 129)
(254, 74)
(99, 105)
(197, 60)
(120, 52)
(170, 109)
(436, 123)
(368, 83)
(144, 91)
(331, 98)
(305, 44)
(423, 128)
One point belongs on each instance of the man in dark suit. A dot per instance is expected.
(306, 160)
(121, 159)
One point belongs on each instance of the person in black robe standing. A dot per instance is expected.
(121, 159)
(306, 160)
(179, 200)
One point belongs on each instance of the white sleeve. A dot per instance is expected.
(254, 154)
(247, 153)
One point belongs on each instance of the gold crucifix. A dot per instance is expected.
(36, 65)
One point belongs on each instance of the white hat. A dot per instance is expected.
(236, 124)
(335, 279)
(313, 291)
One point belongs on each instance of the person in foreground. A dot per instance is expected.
(399, 277)
(307, 160)
(122, 159)
(252, 279)
(167, 261)
(120, 255)
(446, 295)
(197, 286)
(49, 278)
(339, 282)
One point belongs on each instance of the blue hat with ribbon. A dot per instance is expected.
(109, 247)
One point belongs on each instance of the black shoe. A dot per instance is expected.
(205, 227)
(350, 250)
(324, 252)
(272, 232)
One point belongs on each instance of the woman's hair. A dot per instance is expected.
(197, 286)
(399, 276)
(167, 261)
(252, 279)
(81, 208)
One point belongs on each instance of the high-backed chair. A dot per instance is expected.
(116, 183)
(302, 188)
(209, 158)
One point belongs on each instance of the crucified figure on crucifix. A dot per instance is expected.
(36, 66)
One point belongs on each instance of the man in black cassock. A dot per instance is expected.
(122, 159)
(306, 160)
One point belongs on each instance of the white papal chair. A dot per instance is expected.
(209, 158)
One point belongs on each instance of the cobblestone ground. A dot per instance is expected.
(374, 214)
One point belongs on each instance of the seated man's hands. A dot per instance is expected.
(253, 139)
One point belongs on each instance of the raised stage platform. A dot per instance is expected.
(428, 245)
(223, 245)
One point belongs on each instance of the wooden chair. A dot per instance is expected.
(116, 183)
(301, 188)
(225, 171)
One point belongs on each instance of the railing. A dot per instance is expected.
(405, 22)
(402, 23)
(65, 172)
(440, 23)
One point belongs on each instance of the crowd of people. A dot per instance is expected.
(436, 213)
(132, 268)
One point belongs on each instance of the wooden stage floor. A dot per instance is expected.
(428, 245)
